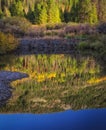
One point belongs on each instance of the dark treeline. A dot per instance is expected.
(55, 11)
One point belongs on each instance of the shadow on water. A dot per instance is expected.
(65, 49)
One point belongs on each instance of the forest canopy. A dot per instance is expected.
(55, 11)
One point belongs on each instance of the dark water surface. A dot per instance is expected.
(94, 119)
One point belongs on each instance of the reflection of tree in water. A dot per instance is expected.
(25, 62)
(5, 60)
(99, 59)
(62, 67)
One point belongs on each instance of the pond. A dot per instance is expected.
(94, 119)
(56, 82)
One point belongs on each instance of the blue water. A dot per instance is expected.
(69, 120)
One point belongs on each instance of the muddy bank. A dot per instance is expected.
(5, 89)
(46, 45)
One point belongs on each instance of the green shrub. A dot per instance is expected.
(94, 42)
(83, 45)
(102, 38)
(1, 14)
(97, 45)
(7, 43)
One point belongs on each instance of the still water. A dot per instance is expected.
(55, 83)
(94, 119)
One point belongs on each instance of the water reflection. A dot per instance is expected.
(55, 83)
(63, 68)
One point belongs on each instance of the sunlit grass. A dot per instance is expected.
(97, 80)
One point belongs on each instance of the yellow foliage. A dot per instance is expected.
(51, 75)
(96, 80)
(63, 75)
(42, 76)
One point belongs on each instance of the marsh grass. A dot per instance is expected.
(55, 83)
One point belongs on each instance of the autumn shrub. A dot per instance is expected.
(55, 26)
(16, 25)
(7, 43)
(50, 26)
(60, 25)
(80, 29)
(36, 31)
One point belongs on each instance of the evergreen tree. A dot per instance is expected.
(16, 8)
(102, 10)
(84, 10)
(53, 12)
(93, 15)
(67, 15)
(43, 15)
(74, 11)
(1, 14)
(7, 12)
(0, 5)
(31, 16)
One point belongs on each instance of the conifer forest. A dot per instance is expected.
(55, 11)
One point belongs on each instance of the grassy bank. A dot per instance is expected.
(55, 98)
